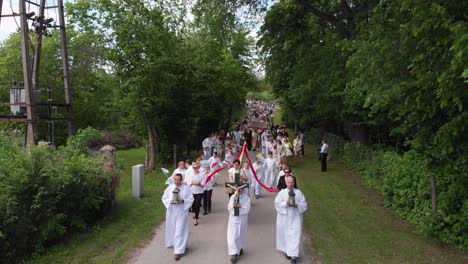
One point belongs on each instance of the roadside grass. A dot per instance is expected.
(347, 222)
(132, 221)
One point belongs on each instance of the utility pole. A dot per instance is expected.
(37, 52)
(66, 70)
(26, 102)
(30, 138)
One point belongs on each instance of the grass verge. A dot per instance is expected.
(347, 223)
(115, 237)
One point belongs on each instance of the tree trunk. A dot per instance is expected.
(152, 139)
(434, 193)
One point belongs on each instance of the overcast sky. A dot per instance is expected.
(10, 24)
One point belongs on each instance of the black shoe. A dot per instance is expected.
(241, 252)
(293, 261)
(233, 259)
(205, 213)
(287, 257)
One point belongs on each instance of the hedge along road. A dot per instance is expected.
(207, 241)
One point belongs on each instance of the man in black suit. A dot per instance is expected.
(282, 180)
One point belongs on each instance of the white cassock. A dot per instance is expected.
(237, 225)
(270, 171)
(177, 218)
(170, 180)
(248, 173)
(289, 222)
(206, 144)
(259, 169)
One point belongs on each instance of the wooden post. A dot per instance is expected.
(66, 69)
(30, 137)
(37, 53)
(1, 6)
(434, 193)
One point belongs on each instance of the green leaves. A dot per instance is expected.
(47, 194)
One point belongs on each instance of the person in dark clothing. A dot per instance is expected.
(282, 180)
(324, 155)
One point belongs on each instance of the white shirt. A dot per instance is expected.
(196, 178)
(231, 174)
(324, 148)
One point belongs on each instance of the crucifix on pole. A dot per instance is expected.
(236, 186)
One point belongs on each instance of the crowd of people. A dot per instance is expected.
(193, 191)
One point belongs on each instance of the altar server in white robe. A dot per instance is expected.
(259, 170)
(237, 225)
(270, 170)
(289, 221)
(180, 169)
(215, 164)
(206, 144)
(177, 216)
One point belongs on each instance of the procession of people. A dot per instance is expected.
(270, 171)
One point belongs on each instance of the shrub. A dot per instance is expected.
(405, 182)
(47, 194)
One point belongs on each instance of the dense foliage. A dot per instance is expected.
(151, 73)
(404, 180)
(392, 73)
(48, 193)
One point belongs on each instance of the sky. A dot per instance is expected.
(9, 25)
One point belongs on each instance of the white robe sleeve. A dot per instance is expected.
(244, 205)
(231, 205)
(301, 202)
(281, 202)
(244, 201)
(167, 196)
(188, 198)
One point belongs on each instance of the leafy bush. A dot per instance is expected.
(405, 182)
(85, 139)
(48, 193)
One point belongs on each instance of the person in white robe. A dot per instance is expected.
(206, 144)
(180, 169)
(270, 170)
(237, 225)
(177, 216)
(215, 164)
(231, 175)
(288, 147)
(259, 170)
(229, 156)
(289, 221)
(247, 174)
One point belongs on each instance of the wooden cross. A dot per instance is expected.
(236, 186)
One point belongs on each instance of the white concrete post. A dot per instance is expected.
(138, 174)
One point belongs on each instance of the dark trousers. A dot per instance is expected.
(323, 160)
(197, 203)
(207, 200)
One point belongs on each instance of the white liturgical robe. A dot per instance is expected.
(270, 171)
(177, 217)
(237, 225)
(289, 222)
